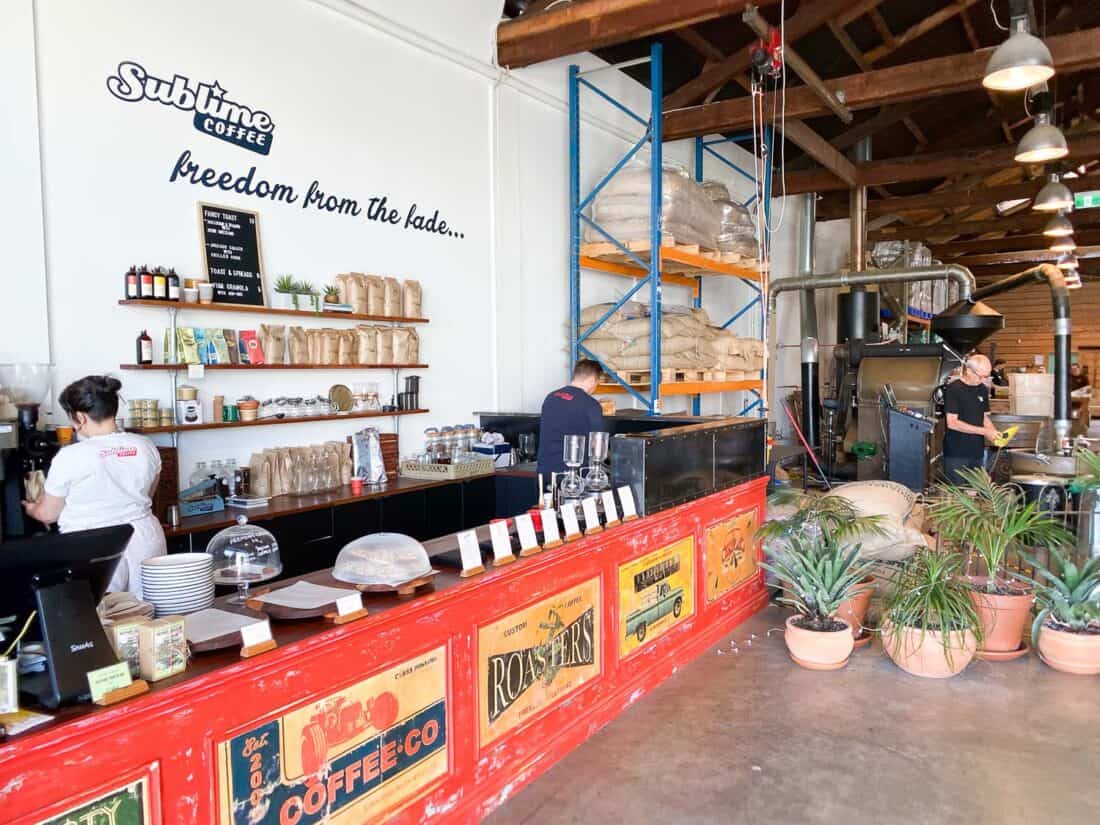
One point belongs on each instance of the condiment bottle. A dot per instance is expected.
(144, 348)
(146, 283)
(173, 285)
(133, 291)
(160, 285)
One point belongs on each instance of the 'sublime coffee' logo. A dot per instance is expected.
(215, 114)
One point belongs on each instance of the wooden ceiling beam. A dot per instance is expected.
(808, 17)
(932, 21)
(1013, 243)
(910, 81)
(933, 165)
(822, 151)
(1030, 222)
(703, 47)
(974, 196)
(1027, 256)
(570, 28)
(856, 10)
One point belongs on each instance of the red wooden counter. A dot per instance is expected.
(434, 708)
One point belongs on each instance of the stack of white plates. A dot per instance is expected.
(179, 583)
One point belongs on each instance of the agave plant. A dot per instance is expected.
(993, 519)
(834, 517)
(930, 596)
(1067, 596)
(817, 575)
(286, 283)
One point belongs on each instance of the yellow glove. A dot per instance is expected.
(1007, 436)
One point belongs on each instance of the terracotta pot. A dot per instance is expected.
(819, 650)
(1003, 616)
(1070, 652)
(923, 654)
(853, 610)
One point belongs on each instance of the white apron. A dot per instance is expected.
(146, 542)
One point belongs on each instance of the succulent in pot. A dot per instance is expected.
(930, 625)
(1067, 624)
(818, 573)
(993, 519)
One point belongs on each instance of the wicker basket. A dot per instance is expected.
(438, 472)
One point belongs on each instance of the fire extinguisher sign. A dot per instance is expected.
(363, 751)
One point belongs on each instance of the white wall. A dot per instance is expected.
(368, 97)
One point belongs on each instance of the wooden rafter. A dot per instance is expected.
(569, 28)
(973, 196)
(1015, 243)
(923, 79)
(1028, 256)
(856, 10)
(929, 23)
(822, 151)
(1030, 222)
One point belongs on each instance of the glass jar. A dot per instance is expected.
(232, 475)
(217, 469)
(202, 472)
(309, 407)
(267, 408)
(324, 406)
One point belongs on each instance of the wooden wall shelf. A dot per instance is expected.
(255, 310)
(265, 422)
(276, 366)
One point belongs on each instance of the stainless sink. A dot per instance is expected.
(1026, 462)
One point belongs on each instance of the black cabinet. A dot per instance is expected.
(350, 521)
(443, 510)
(406, 513)
(478, 502)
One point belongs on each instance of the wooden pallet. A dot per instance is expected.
(640, 378)
(688, 258)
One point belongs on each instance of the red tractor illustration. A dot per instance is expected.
(338, 720)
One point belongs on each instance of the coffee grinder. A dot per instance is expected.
(23, 447)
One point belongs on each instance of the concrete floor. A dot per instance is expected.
(752, 738)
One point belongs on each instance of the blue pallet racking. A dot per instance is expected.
(651, 272)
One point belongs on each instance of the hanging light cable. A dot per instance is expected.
(1054, 196)
(1023, 60)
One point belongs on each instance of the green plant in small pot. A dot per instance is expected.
(838, 520)
(930, 626)
(1087, 485)
(332, 294)
(291, 293)
(1067, 625)
(993, 519)
(817, 575)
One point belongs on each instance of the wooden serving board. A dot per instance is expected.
(406, 589)
(291, 614)
(227, 639)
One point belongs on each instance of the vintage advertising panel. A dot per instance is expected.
(128, 804)
(656, 593)
(535, 656)
(351, 757)
(729, 553)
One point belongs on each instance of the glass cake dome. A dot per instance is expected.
(244, 554)
(387, 559)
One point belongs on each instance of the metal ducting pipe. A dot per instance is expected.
(948, 272)
(857, 211)
(1059, 300)
(811, 407)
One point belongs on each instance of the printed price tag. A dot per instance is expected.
(469, 549)
(196, 371)
(351, 603)
(256, 633)
(569, 519)
(591, 516)
(626, 498)
(105, 679)
(550, 534)
(502, 541)
(526, 529)
(609, 511)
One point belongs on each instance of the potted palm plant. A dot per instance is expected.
(1067, 625)
(993, 519)
(818, 573)
(836, 519)
(930, 625)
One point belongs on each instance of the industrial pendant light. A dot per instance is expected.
(1023, 60)
(1053, 196)
(1064, 244)
(1043, 142)
(1072, 279)
(1067, 260)
(1058, 226)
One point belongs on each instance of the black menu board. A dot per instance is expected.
(231, 254)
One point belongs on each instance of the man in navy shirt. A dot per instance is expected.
(570, 410)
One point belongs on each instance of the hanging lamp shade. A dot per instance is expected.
(1058, 227)
(1063, 244)
(1053, 196)
(1067, 260)
(1021, 62)
(1044, 142)
(1072, 279)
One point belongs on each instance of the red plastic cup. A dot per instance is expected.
(357, 486)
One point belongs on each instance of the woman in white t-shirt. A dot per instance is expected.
(106, 478)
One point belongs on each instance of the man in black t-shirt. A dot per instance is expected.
(966, 406)
(570, 410)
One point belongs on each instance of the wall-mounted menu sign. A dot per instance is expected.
(231, 254)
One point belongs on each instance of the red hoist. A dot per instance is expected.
(767, 55)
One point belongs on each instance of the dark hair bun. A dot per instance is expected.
(94, 395)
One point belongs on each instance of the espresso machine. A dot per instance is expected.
(23, 447)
